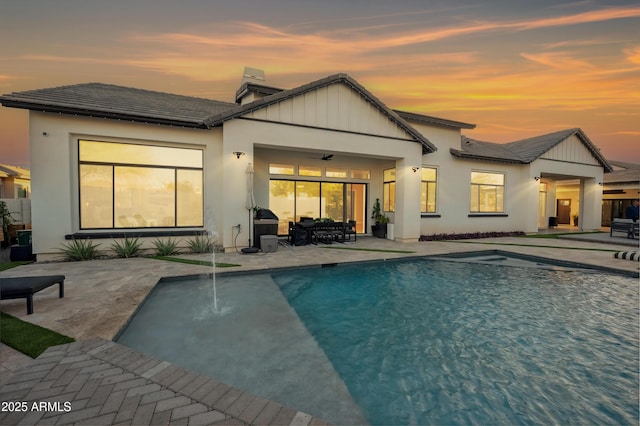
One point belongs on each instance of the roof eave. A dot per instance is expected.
(469, 156)
(67, 110)
(434, 120)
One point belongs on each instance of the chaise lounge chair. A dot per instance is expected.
(17, 288)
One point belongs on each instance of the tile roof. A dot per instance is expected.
(434, 120)
(475, 149)
(630, 176)
(624, 164)
(524, 151)
(110, 101)
(283, 95)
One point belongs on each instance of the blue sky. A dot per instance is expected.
(515, 68)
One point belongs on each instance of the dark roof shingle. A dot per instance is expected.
(110, 101)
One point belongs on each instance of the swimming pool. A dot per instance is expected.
(418, 341)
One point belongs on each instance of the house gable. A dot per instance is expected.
(337, 102)
(571, 146)
(335, 107)
(572, 150)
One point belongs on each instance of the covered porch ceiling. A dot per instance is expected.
(317, 153)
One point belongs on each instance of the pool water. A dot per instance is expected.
(437, 342)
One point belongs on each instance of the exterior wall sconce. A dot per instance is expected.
(415, 169)
(537, 178)
(238, 154)
(600, 183)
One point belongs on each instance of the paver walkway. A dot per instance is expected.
(96, 382)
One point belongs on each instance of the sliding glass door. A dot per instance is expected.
(292, 200)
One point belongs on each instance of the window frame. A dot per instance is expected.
(424, 207)
(484, 188)
(389, 190)
(124, 164)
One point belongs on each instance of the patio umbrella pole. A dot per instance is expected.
(251, 203)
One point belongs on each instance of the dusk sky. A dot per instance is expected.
(514, 68)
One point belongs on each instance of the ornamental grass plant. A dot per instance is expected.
(201, 244)
(166, 247)
(129, 247)
(80, 250)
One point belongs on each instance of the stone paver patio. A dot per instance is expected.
(107, 383)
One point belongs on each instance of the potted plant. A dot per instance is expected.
(575, 220)
(379, 229)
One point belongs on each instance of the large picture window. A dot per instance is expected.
(487, 192)
(139, 186)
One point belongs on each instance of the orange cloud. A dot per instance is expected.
(633, 55)
(583, 18)
(559, 60)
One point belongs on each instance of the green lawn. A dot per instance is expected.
(30, 339)
(8, 265)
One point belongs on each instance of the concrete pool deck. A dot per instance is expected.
(101, 295)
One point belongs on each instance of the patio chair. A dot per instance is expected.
(336, 229)
(349, 230)
(322, 234)
(291, 233)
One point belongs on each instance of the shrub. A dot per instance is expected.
(201, 244)
(79, 250)
(166, 248)
(128, 248)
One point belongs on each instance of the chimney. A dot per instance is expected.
(253, 87)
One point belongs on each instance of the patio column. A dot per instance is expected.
(590, 213)
(407, 214)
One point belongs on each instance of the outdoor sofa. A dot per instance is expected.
(627, 226)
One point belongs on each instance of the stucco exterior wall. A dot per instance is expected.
(454, 189)
(54, 161)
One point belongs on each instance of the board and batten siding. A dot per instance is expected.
(571, 150)
(336, 107)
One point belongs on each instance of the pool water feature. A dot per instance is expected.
(418, 341)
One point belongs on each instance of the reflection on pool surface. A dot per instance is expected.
(437, 342)
(430, 342)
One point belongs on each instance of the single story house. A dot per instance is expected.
(109, 161)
